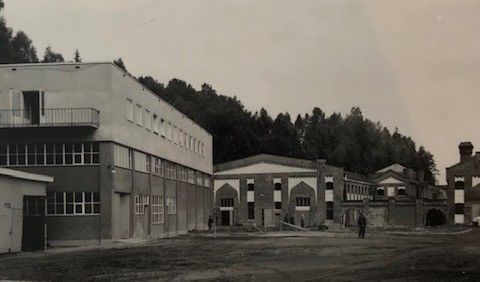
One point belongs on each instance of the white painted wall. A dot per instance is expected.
(12, 191)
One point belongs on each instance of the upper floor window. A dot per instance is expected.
(190, 176)
(129, 109)
(380, 191)
(278, 186)
(251, 187)
(303, 202)
(141, 162)
(139, 115)
(226, 202)
(163, 128)
(147, 119)
(122, 156)
(402, 191)
(459, 185)
(49, 154)
(155, 123)
(329, 186)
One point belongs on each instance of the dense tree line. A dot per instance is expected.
(352, 141)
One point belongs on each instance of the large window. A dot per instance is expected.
(159, 167)
(129, 109)
(181, 173)
(155, 123)
(170, 170)
(49, 154)
(190, 176)
(140, 202)
(278, 186)
(73, 203)
(141, 162)
(157, 210)
(122, 156)
(303, 202)
(171, 205)
(226, 202)
(251, 187)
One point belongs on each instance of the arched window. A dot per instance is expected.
(402, 191)
(380, 191)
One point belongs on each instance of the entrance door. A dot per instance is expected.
(225, 217)
(31, 102)
(33, 235)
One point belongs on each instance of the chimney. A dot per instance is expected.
(466, 150)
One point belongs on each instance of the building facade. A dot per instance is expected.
(264, 190)
(125, 162)
(463, 184)
(397, 197)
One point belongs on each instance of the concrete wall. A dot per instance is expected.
(11, 210)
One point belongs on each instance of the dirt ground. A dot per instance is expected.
(380, 256)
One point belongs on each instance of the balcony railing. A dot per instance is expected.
(59, 117)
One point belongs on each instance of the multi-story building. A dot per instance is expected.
(463, 182)
(125, 162)
(265, 190)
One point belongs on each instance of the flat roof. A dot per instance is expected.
(118, 68)
(25, 175)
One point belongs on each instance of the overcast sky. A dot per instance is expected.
(412, 64)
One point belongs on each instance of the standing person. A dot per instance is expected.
(362, 225)
(210, 222)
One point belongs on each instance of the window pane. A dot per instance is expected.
(96, 208)
(59, 209)
(87, 158)
(88, 208)
(69, 197)
(69, 208)
(88, 197)
(78, 197)
(95, 158)
(96, 197)
(78, 208)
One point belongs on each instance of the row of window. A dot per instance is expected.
(73, 203)
(49, 154)
(141, 201)
(278, 186)
(123, 157)
(300, 202)
(152, 122)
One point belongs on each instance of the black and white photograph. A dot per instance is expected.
(263, 140)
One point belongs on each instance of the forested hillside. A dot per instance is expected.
(352, 141)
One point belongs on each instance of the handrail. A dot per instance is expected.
(49, 117)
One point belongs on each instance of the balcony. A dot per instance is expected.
(59, 117)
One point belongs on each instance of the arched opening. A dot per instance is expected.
(435, 217)
(350, 217)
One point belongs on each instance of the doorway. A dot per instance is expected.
(33, 235)
(435, 217)
(226, 217)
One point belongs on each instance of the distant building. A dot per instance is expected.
(22, 217)
(398, 197)
(265, 190)
(125, 162)
(463, 182)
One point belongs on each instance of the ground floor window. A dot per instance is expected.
(73, 203)
(459, 209)
(140, 202)
(171, 205)
(251, 210)
(157, 210)
(303, 202)
(227, 202)
(329, 210)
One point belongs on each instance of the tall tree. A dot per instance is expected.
(52, 57)
(77, 57)
(6, 51)
(23, 50)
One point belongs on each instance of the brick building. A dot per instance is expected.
(265, 189)
(125, 162)
(463, 184)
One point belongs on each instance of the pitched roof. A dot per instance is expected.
(25, 175)
(266, 158)
(394, 167)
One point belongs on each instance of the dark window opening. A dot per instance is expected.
(278, 186)
(251, 210)
(329, 210)
(303, 202)
(278, 205)
(402, 192)
(381, 192)
(459, 185)
(251, 187)
(459, 209)
(329, 186)
(228, 202)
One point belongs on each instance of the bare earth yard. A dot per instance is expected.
(379, 256)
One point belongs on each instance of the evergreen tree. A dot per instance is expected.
(23, 50)
(77, 57)
(120, 64)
